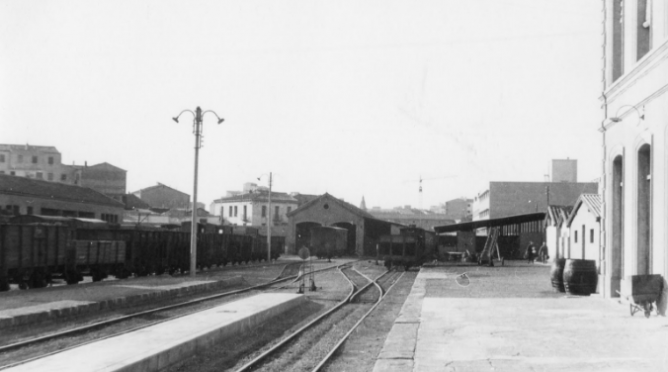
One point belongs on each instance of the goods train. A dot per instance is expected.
(33, 253)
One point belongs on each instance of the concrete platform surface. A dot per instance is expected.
(510, 319)
(156, 347)
(521, 334)
(37, 305)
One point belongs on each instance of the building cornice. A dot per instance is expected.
(648, 63)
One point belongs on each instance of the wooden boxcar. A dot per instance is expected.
(413, 242)
(328, 242)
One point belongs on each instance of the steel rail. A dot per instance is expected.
(104, 323)
(345, 337)
(298, 332)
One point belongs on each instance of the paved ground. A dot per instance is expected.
(509, 319)
(161, 345)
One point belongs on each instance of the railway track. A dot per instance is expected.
(312, 346)
(147, 317)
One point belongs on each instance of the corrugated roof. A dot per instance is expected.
(558, 213)
(21, 186)
(593, 203)
(466, 226)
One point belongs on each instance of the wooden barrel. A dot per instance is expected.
(580, 277)
(557, 274)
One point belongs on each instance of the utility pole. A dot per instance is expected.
(197, 126)
(269, 223)
(197, 129)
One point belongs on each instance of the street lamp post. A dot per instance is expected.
(197, 130)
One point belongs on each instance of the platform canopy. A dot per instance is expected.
(495, 222)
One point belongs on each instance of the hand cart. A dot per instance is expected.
(641, 293)
(640, 303)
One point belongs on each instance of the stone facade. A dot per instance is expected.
(251, 207)
(459, 208)
(37, 162)
(635, 143)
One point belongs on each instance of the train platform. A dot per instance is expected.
(510, 319)
(37, 305)
(156, 347)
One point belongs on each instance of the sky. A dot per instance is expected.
(354, 98)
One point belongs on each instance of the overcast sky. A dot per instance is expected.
(355, 98)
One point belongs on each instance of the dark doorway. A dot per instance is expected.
(352, 236)
(644, 210)
(617, 251)
(303, 231)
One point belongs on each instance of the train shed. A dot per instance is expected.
(364, 230)
(515, 233)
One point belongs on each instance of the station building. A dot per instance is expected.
(635, 139)
(364, 230)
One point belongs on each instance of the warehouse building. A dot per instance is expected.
(20, 195)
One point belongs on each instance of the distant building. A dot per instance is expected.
(105, 178)
(303, 198)
(504, 199)
(27, 196)
(250, 207)
(363, 204)
(459, 208)
(37, 162)
(410, 216)
(163, 196)
(564, 170)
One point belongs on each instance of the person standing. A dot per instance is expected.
(530, 253)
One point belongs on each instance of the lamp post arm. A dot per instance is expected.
(176, 118)
(220, 120)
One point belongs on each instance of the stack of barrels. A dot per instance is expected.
(577, 277)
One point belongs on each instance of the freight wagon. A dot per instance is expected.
(328, 242)
(34, 253)
(412, 243)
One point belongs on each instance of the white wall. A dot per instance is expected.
(643, 86)
(551, 241)
(591, 246)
